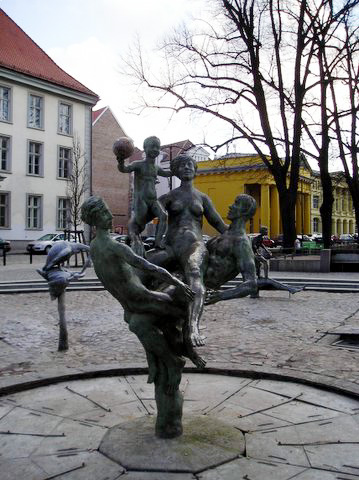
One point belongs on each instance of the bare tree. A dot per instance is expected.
(77, 184)
(249, 69)
(345, 96)
(321, 113)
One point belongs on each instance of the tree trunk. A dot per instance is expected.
(355, 197)
(326, 208)
(287, 210)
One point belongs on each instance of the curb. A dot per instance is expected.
(28, 381)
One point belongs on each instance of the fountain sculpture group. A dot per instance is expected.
(164, 309)
(163, 292)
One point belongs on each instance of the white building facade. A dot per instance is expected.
(39, 120)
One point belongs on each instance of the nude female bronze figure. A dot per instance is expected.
(186, 206)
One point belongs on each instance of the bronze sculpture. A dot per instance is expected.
(160, 308)
(261, 253)
(156, 317)
(58, 278)
(146, 207)
(231, 253)
(184, 245)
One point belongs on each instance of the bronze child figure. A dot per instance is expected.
(146, 207)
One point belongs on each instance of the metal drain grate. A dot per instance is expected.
(345, 336)
(347, 341)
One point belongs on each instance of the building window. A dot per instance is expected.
(4, 210)
(5, 98)
(62, 214)
(315, 225)
(65, 118)
(34, 212)
(34, 156)
(343, 203)
(4, 153)
(315, 201)
(36, 114)
(64, 162)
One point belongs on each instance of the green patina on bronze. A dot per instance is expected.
(156, 317)
(146, 207)
(160, 308)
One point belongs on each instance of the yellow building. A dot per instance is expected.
(225, 178)
(343, 219)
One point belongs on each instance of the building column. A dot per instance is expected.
(241, 188)
(274, 212)
(334, 226)
(339, 227)
(265, 206)
(307, 219)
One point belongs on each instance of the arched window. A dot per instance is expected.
(316, 201)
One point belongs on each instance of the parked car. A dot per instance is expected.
(5, 245)
(44, 243)
(278, 240)
(346, 238)
(334, 239)
(148, 242)
(119, 238)
(304, 238)
(267, 242)
(317, 237)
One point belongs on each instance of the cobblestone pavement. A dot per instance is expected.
(272, 334)
(290, 429)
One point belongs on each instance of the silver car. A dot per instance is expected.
(44, 243)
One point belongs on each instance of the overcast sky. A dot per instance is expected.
(87, 39)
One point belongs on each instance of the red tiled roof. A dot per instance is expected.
(97, 113)
(18, 52)
(171, 149)
(176, 148)
(181, 146)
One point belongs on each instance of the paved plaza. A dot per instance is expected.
(272, 430)
(275, 351)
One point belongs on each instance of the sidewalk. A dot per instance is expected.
(18, 268)
(272, 335)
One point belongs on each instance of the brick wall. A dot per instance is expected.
(107, 182)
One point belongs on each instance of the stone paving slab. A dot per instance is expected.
(64, 444)
(205, 443)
